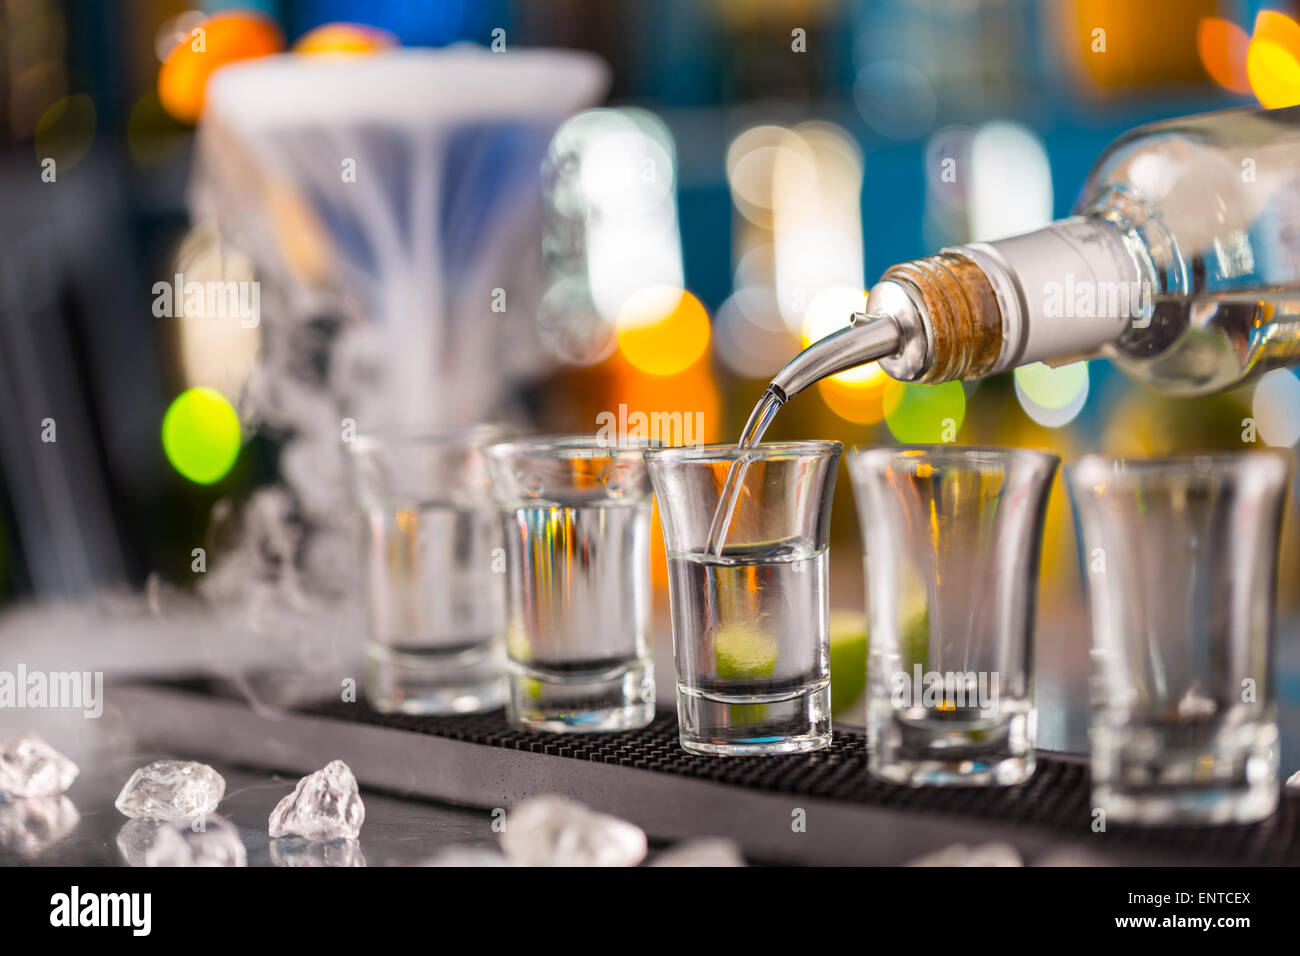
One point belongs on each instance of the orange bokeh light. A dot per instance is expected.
(343, 39)
(662, 330)
(225, 38)
(694, 394)
(860, 402)
(1222, 46)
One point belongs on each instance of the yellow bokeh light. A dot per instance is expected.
(65, 131)
(343, 39)
(662, 330)
(830, 311)
(1273, 60)
(861, 403)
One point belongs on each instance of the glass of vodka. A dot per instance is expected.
(952, 537)
(1180, 560)
(748, 592)
(433, 557)
(575, 513)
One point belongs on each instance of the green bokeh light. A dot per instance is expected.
(924, 414)
(1052, 387)
(201, 435)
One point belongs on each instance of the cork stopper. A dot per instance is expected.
(960, 314)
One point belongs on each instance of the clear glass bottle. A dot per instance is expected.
(1182, 265)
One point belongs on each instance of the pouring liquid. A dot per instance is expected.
(750, 436)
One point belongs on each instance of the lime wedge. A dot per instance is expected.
(848, 638)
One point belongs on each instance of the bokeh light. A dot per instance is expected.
(201, 435)
(756, 158)
(153, 136)
(831, 311)
(343, 39)
(1273, 60)
(895, 99)
(1222, 46)
(1011, 189)
(226, 38)
(612, 172)
(176, 30)
(749, 336)
(924, 414)
(817, 233)
(861, 402)
(1275, 407)
(662, 330)
(1052, 397)
(217, 351)
(66, 131)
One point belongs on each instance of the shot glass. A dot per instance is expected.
(952, 537)
(432, 554)
(576, 519)
(748, 592)
(1179, 556)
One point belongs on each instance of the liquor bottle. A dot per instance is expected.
(1181, 265)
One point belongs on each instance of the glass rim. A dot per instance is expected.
(951, 453)
(564, 446)
(1095, 466)
(763, 451)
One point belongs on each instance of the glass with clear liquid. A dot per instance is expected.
(576, 518)
(750, 634)
(437, 615)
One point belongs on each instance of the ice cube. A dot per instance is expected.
(987, 854)
(207, 841)
(29, 827)
(705, 852)
(324, 806)
(554, 831)
(467, 856)
(1294, 780)
(296, 851)
(175, 790)
(29, 767)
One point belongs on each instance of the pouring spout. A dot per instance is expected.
(869, 338)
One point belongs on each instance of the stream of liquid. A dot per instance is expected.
(750, 436)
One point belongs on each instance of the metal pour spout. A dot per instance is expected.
(871, 337)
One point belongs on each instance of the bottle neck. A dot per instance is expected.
(1056, 294)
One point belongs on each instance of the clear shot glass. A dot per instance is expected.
(1179, 556)
(749, 609)
(952, 537)
(433, 559)
(576, 519)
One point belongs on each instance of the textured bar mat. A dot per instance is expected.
(644, 775)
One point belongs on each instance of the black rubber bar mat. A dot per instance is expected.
(811, 808)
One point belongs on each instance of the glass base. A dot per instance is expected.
(1248, 804)
(740, 725)
(920, 747)
(1185, 774)
(428, 681)
(1006, 772)
(580, 698)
